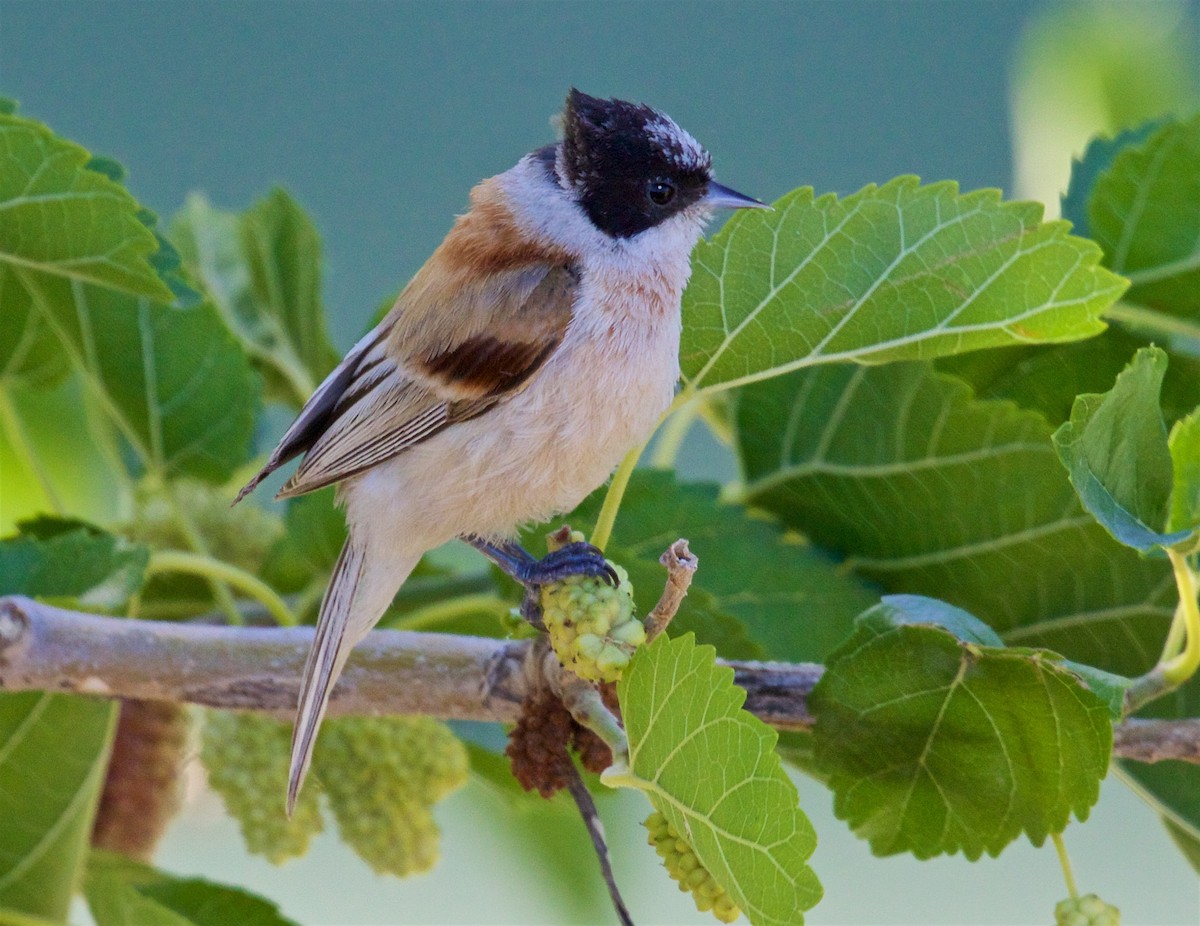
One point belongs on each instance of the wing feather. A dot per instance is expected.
(411, 377)
(381, 424)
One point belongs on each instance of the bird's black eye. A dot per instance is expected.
(660, 192)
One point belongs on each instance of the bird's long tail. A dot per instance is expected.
(359, 592)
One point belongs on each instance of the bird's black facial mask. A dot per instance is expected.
(630, 166)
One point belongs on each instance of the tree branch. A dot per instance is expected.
(391, 672)
(1156, 740)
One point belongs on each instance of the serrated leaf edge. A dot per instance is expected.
(1090, 255)
(138, 236)
(621, 774)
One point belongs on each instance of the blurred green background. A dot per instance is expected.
(380, 116)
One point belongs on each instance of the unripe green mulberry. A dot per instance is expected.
(243, 534)
(247, 760)
(683, 865)
(382, 776)
(1088, 910)
(591, 625)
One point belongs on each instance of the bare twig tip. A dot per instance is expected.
(679, 556)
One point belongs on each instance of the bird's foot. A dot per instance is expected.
(573, 559)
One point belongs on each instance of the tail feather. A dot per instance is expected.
(359, 592)
(325, 660)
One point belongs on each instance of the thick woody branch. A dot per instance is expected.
(391, 672)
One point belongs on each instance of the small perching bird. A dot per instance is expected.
(536, 347)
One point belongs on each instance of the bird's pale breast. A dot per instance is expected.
(545, 449)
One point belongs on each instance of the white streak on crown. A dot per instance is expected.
(680, 146)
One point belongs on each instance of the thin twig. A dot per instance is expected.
(585, 703)
(1064, 861)
(591, 818)
(391, 672)
(680, 563)
(538, 669)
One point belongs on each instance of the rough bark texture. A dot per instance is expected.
(391, 672)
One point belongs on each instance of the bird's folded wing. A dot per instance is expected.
(425, 368)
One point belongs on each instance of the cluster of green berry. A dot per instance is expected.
(244, 534)
(247, 760)
(683, 865)
(1088, 910)
(592, 626)
(381, 775)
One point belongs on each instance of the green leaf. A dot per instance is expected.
(757, 592)
(900, 470)
(1145, 213)
(113, 902)
(901, 271)
(64, 559)
(1184, 444)
(711, 769)
(88, 228)
(1188, 844)
(66, 221)
(51, 457)
(54, 748)
(262, 270)
(174, 381)
(704, 615)
(14, 917)
(113, 169)
(1115, 450)
(904, 610)
(1047, 379)
(284, 253)
(1096, 160)
(28, 349)
(121, 892)
(209, 246)
(938, 745)
(169, 264)
(53, 755)
(1107, 686)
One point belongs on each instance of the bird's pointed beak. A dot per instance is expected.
(721, 197)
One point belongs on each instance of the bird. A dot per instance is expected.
(537, 345)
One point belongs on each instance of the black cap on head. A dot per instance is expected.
(631, 166)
